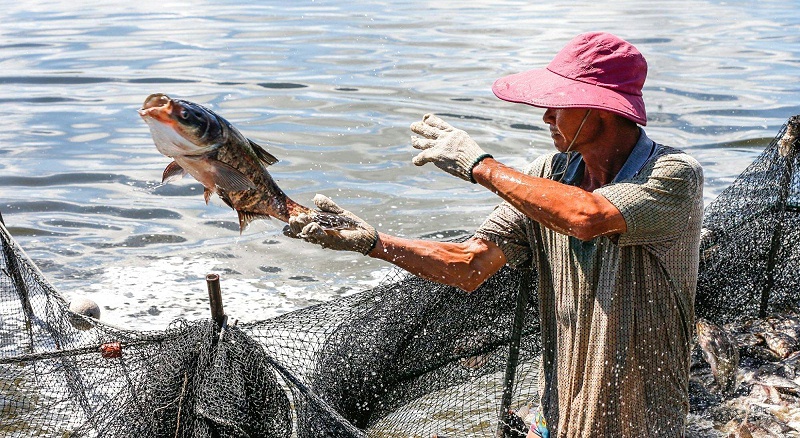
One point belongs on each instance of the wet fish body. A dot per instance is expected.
(210, 149)
(769, 385)
(780, 343)
(721, 352)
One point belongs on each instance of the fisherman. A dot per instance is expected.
(612, 224)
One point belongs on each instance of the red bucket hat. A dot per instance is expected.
(595, 70)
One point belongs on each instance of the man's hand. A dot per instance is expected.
(450, 149)
(362, 239)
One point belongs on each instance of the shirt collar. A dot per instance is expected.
(642, 151)
(641, 154)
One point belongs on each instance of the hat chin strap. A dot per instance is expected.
(575, 137)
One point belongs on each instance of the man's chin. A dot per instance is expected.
(557, 144)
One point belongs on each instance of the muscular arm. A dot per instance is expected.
(567, 209)
(465, 265)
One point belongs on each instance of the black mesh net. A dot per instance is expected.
(749, 252)
(408, 358)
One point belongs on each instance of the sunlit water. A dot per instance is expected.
(330, 88)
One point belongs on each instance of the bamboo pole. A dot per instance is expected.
(788, 146)
(513, 350)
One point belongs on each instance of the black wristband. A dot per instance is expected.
(475, 163)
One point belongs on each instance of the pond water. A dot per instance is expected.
(330, 88)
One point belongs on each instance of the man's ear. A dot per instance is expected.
(614, 119)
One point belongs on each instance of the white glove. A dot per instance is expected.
(450, 149)
(362, 238)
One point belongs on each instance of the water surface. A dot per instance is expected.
(330, 88)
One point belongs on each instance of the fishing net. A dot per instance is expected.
(750, 251)
(408, 358)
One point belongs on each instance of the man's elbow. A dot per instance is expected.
(585, 233)
(485, 260)
(590, 228)
(477, 276)
(470, 285)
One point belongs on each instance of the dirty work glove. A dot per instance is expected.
(448, 148)
(360, 239)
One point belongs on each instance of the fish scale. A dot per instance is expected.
(208, 147)
(267, 199)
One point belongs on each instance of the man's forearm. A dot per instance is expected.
(465, 265)
(567, 209)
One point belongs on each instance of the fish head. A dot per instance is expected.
(181, 128)
(710, 336)
(720, 348)
(705, 328)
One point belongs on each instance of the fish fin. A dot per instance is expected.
(172, 172)
(229, 177)
(262, 154)
(245, 217)
(206, 194)
(225, 198)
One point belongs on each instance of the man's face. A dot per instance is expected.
(564, 124)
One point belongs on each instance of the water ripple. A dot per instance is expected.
(55, 206)
(62, 179)
(143, 240)
(331, 90)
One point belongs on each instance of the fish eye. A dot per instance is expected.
(184, 114)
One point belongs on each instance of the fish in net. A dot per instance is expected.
(408, 358)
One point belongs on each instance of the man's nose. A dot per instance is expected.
(548, 116)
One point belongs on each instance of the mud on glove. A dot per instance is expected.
(362, 238)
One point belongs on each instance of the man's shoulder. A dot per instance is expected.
(668, 153)
(674, 160)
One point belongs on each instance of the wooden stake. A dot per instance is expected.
(215, 298)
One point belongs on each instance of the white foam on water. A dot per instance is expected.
(152, 295)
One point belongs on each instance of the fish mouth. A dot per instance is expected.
(158, 106)
(172, 135)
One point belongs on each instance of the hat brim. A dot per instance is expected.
(544, 89)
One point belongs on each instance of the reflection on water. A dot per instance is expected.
(330, 88)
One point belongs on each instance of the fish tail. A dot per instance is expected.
(328, 221)
(331, 221)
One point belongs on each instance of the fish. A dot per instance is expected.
(204, 145)
(780, 343)
(721, 351)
